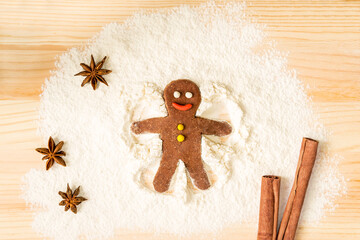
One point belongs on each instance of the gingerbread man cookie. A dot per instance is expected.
(181, 133)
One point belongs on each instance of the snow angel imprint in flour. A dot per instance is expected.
(181, 133)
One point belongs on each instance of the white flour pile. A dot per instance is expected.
(242, 79)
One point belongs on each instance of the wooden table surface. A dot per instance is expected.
(323, 40)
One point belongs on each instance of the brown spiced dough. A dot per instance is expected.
(187, 147)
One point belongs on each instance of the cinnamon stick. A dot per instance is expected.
(269, 208)
(293, 207)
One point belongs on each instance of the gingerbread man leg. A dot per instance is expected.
(197, 172)
(165, 172)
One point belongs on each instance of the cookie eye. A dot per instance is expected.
(176, 94)
(188, 95)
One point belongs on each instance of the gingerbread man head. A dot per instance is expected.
(182, 97)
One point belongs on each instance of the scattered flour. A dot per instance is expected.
(242, 78)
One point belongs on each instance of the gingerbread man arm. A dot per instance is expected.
(151, 125)
(211, 127)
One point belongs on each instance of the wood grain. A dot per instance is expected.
(323, 41)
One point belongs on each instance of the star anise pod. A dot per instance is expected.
(71, 200)
(93, 73)
(53, 153)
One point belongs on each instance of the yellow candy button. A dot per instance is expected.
(180, 127)
(180, 138)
